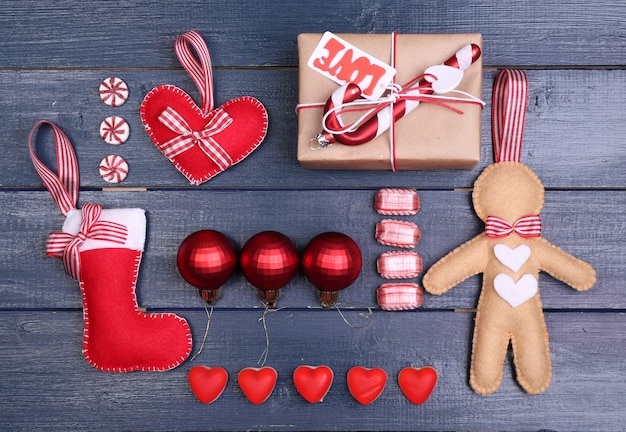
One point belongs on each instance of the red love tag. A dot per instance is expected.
(313, 382)
(257, 383)
(207, 383)
(365, 384)
(343, 62)
(417, 384)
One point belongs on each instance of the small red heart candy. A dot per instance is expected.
(365, 384)
(313, 382)
(257, 383)
(417, 384)
(207, 383)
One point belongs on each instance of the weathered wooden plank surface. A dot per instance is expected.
(52, 59)
(251, 33)
(46, 383)
(446, 220)
(569, 110)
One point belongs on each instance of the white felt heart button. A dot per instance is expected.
(512, 258)
(444, 78)
(515, 293)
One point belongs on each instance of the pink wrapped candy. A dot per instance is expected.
(397, 233)
(399, 265)
(399, 296)
(397, 202)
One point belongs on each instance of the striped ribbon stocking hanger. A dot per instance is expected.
(64, 186)
(510, 96)
(64, 190)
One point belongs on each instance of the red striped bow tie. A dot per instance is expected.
(526, 226)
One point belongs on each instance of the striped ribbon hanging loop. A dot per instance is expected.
(62, 186)
(198, 66)
(510, 97)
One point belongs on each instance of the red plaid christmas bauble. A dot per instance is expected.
(269, 260)
(331, 261)
(207, 259)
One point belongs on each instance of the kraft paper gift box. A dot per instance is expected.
(429, 137)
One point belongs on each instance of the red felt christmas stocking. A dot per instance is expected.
(102, 249)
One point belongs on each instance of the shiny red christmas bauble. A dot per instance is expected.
(206, 259)
(269, 260)
(332, 261)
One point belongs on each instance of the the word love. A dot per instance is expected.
(342, 62)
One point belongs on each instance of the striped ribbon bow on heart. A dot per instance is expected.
(188, 138)
(526, 226)
(66, 246)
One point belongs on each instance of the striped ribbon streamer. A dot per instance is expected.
(510, 97)
(187, 137)
(64, 190)
(64, 186)
(198, 66)
(526, 226)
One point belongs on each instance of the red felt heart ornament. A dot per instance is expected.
(313, 382)
(199, 140)
(202, 145)
(365, 384)
(417, 384)
(207, 383)
(257, 383)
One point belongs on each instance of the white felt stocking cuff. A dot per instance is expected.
(133, 218)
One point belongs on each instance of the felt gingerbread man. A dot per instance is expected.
(508, 197)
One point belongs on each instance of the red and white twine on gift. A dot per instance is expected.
(380, 115)
(64, 188)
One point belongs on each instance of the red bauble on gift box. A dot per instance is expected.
(331, 261)
(269, 260)
(207, 259)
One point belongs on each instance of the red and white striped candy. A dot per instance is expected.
(113, 91)
(397, 233)
(399, 265)
(399, 296)
(381, 121)
(113, 169)
(114, 130)
(396, 202)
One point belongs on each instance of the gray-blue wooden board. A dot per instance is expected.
(137, 33)
(568, 112)
(47, 384)
(446, 221)
(53, 56)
